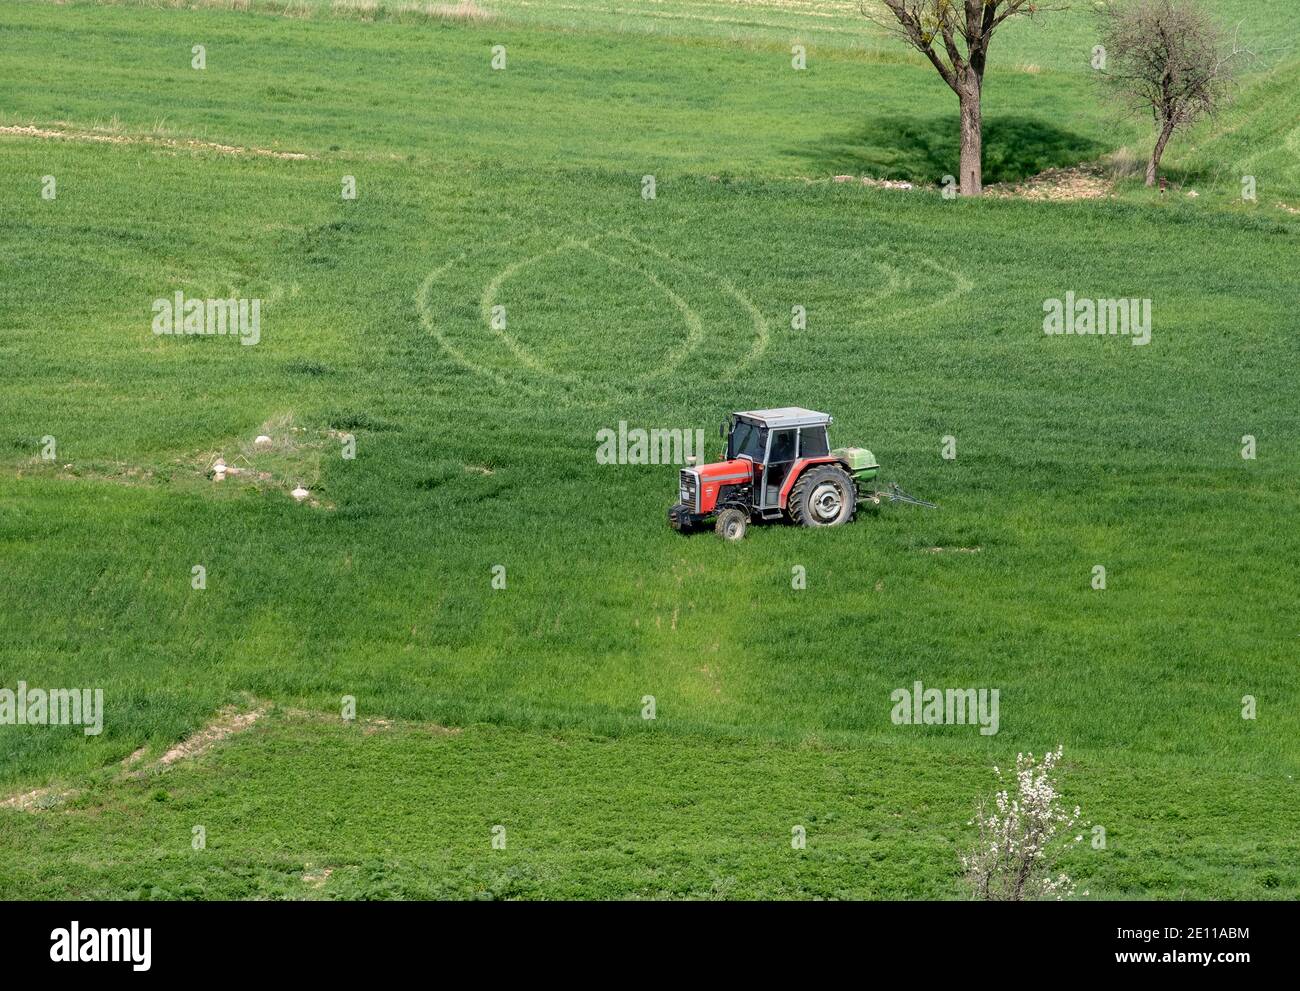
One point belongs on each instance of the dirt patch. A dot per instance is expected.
(38, 800)
(873, 182)
(134, 758)
(230, 720)
(369, 725)
(116, 138)
(281, 454)
(953, 550)
(1083, 182)
(886, 183)
(377, 724)
(315, 877)
(99, 471)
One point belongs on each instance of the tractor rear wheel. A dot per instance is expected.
(731, 524)
(823, 496)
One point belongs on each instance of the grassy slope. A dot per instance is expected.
(864, 106)
(1093, 452)
(407, 812)
(1060, 39)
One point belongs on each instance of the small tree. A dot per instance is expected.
(1169, 59)
(1022, 835)
(954, 36)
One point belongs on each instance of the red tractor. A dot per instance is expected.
(779, 464)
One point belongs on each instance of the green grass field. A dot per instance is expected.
(522, 706)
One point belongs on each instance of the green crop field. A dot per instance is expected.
(498, 604)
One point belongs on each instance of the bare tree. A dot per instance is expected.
(954, 35)
(1167, 58)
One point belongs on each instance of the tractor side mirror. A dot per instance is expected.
(722, 430)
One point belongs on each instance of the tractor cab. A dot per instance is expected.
(777, 463)
(774, 440)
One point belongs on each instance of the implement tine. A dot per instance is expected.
(898, 495)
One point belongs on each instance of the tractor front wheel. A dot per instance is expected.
(823, 496)
(731, 524)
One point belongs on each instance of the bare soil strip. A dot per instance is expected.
(193, 144)
(229, 721)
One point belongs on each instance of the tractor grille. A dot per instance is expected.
(690, 490)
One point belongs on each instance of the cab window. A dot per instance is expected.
(783, 443)
(747, 438)
(812, 442)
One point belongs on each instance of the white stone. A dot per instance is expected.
(300, 493)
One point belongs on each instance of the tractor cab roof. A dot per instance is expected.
(786, 416)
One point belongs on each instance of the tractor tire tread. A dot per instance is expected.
(807, 480)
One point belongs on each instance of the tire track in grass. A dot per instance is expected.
(899, 280)
(695, 327)
(487, 300)
(424, 307)
(961, 285)
(510, 378)
(506, 378)
(762, 331)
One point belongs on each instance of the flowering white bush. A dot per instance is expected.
(1021, 837)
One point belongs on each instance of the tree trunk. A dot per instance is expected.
(972, 139)
(1165, 133)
